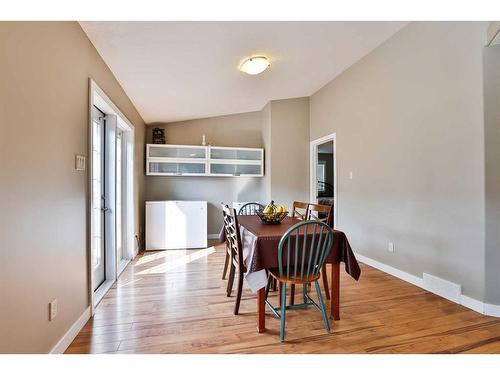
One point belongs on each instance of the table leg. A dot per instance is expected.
(335, 294)
(261, 310)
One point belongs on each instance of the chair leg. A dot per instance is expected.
(283, 311)
(226, 263)
(238, 294)
(292, 294)
(324, 277)
(322, 307)
(275, 285)
(304, 292)
(270, 281)
(230, 280)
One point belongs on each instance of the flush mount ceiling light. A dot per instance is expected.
(254, 65)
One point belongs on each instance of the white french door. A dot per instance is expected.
(111, 178)
(104, 157)
(98, 204)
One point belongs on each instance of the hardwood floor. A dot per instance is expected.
(175, 302)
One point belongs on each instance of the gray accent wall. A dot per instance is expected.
(409, 124)
(241, 130)
(289, 151)
(281, 128)
(492, 169)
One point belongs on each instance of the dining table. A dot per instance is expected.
(259, 243)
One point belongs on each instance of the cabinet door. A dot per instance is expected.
(222, 153)
(226, 169)
(192, 220)
(155, 226)
(176, 168)
(178, 152)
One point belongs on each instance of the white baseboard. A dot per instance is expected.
(70, 335)
(442, 287)
(213, 236)
(492, 310)
(436, 285)
(473, 304)
(412, 279)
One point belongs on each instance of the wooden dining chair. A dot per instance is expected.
(233, 240)
(302, 251)
(320, 212)
(250, 208)
(300, 210)
(228, 250)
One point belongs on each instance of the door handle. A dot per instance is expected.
(105, 209)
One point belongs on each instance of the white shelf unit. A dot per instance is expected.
(212, 161)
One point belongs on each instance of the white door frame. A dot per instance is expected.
(313, 159)
(98, 98)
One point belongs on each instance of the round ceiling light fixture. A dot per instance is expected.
(254, 65)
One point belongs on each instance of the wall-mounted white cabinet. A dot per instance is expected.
(183, 160)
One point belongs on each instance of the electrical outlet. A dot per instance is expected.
(52, 309)
(391, 247)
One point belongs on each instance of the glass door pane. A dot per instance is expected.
(119, 195)
(235, 154)
(177, 168)
(235, 169)
(177, 152)
(97, 220)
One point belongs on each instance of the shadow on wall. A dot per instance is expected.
(247, 189)
(235, 189)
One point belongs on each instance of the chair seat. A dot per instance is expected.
(291, 280)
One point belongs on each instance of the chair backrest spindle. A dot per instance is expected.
(320, 212)
(303, 249)
(300, 210)
(233, 236)
(250, 208)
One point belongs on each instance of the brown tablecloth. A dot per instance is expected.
(264, 240)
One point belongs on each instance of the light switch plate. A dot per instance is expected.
(80, 162)
(391, 247)
(350, 175)
(52, 309)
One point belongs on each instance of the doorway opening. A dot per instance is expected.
(111, 206)
(323, 186)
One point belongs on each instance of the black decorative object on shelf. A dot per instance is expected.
(159, 136)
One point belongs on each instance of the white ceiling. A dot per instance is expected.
(185, 70)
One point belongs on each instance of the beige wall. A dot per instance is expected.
(266, 142)
(493, 30)
(44, 72)
(289, 151)
(492, 144)
(409, 125)
(241, 130)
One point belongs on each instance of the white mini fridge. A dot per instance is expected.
(176, 225)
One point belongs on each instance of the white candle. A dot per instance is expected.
(203, 142)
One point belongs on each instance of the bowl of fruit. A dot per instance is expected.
(272, 213)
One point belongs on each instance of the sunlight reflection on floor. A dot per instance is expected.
(171, 264)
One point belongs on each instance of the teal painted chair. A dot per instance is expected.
(302, 251)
